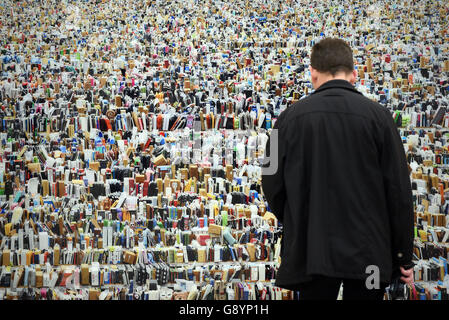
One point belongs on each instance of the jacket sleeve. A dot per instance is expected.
(398, 194)
(273, 182)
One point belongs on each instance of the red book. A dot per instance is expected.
(202, 239)
(131, 185)
(140, 124)
(108, 124)
(145, 189)
(147, 144)
(66, 275)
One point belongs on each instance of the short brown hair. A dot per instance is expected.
(332, 55)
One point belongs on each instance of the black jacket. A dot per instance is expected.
(342, 188)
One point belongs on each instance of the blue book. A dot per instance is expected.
(232, 253)
(245, 293)
(25, 280)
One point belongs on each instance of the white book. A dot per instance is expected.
(53, 280)
(20, 238)
(15, 282)
(254, 273)
(184, 250)
(166, 122)
(110, 234)
(261, 272)
(13, 242)
(83, 123)
(144, 121)
(95, 275)
(46, 280)
(425, 269)
(105, 236)
(66, 176)
(23, 259)
(126, 186)
(31, 239)
(154, 122)
(217, 253)
(76, 278)
(43, 240)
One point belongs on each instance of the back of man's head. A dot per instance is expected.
(333, 56)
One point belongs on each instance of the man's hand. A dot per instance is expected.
(407, 275)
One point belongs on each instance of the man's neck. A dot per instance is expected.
(338, 76)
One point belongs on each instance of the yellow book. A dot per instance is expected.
(8, 228)
(29, 255)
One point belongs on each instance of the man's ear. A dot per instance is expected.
(353, 78)
(313, 74)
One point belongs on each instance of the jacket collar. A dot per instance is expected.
(337, 83)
